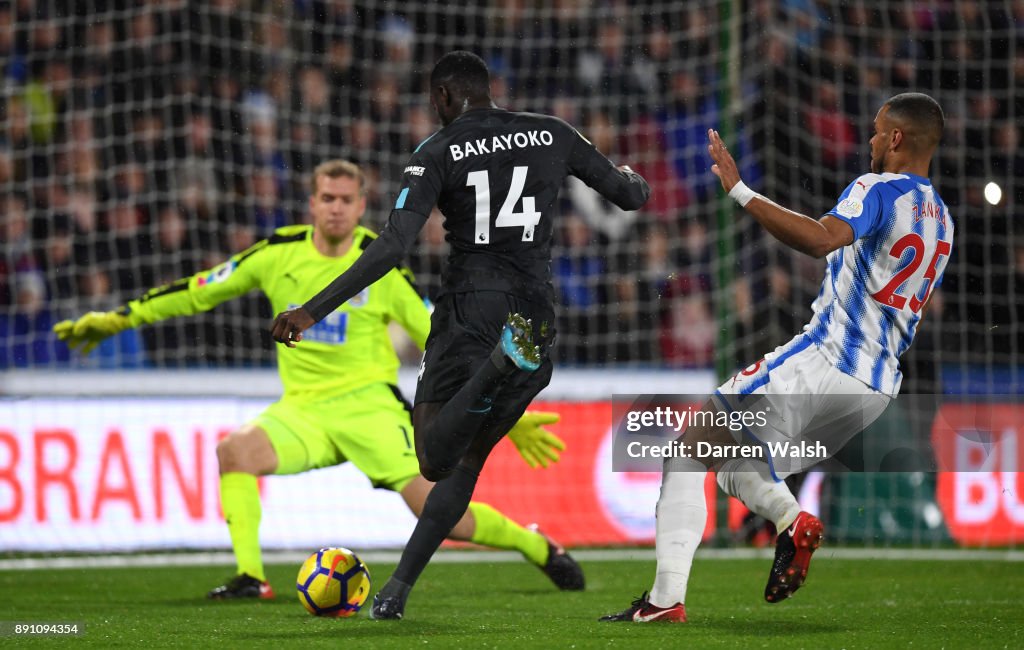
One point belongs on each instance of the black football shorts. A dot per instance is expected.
(464, 329)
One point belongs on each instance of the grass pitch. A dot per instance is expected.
(845, 604)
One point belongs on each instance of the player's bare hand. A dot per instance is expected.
(289, 326)
(725, 167)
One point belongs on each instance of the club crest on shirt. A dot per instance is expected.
(360, 299)
(219, 273)
(850, 208)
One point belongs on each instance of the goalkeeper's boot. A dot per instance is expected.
(642, 611)
(387, 608)
(517, 343)
(242, 586)
(563, 570)
(793, 550)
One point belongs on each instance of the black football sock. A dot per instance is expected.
(449, 435)
(444, 507)
(394, 588)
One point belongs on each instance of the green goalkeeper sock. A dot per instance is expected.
(240, 500)
(496, 530)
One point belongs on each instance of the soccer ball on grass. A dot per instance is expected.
(333, 582)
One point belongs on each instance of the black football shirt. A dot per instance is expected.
(495, 176)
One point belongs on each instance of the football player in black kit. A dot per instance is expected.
(495, 176)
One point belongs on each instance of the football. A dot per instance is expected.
(333, 582)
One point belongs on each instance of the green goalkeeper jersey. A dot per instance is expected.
(348, 349)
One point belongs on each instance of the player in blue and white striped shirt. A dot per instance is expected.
(886, 242)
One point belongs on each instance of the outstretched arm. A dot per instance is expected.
(382, 255)
(200, 292)
(625, 188)
(816, 238)
(620, 185)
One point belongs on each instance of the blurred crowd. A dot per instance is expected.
(143, 141)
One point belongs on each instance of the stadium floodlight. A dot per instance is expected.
(993, 193)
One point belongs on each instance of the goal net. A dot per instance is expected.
(144, 141)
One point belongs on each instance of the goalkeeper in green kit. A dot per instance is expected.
(340, 399)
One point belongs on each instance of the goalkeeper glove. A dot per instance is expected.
(538, 446)
(88, 331)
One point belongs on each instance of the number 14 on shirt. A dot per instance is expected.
(507, 216)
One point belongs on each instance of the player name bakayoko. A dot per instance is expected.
(505, 142)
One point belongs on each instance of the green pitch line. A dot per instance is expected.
(862, 603)
(220, 558)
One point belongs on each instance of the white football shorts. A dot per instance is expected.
(799, 407)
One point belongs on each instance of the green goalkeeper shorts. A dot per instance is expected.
(370, 426)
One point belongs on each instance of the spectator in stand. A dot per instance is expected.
(228, 122)
(175, 247)
(421, 126)
(806, 20)
(194, 154)
(46, 96)
(577, 269)
(565, 107)
(131, 246)
(1008, 161)
(15, 247)
(84, 161)
(12, 62)
(300, 153)
(129, 180)
(6, 162)
(263, 149)
(640, 292)
(549, 69)
(688, 114)
(386, 110)
(344, 77)
(688, 329)
(364, 142)
(578, 273)
(314, 107)
(604, 72)
(694, 253)
(54, 246)
(837, 141)
(153, 60)
(510, 28)
(837, 64)
(150, 149)
(207, 218)
(653, 70)
(263, 208)
(696, 36)
(25, 328)
(643, 141)
(19, 143)
(276, 54)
